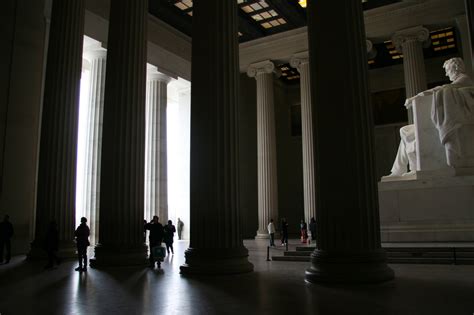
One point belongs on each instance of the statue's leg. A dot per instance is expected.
(407, 135)
(401, 161)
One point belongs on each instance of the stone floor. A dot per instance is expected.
(274, 288)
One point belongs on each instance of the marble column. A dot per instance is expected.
(59, 127)
(410, 42)
(465, 39)
(216, 245)
(123, 139)
(156, 166)
(470, 22)
(97, 61)
(266, 145)
(301, 62)
(348, 227)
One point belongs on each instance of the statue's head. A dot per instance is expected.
(454, 67)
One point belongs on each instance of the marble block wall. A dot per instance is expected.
(431, 210)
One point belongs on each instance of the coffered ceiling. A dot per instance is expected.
(257, 18)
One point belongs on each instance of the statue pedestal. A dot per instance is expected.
(427, 210)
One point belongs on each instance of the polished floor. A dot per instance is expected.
(274, 288)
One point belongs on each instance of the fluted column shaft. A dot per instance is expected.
(123, 141)
(410, 43)
(348, 228)
(462, 24)
(216, 245)
(156, 172)
(97, 59)
(59, 127)
(301, 62)
(266, 146)
(470, 21)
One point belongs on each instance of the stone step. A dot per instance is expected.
(392, 260)
(418, 260)
(428, 249)
(291, 258)
(305, 248)
(409, 255)
(297, 253)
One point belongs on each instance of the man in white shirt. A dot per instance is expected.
(271, 231)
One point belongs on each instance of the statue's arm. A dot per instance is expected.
(409, 101)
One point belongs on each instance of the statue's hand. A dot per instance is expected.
(409, 101)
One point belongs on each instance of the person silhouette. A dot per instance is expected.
(82, 242)
(284, 232)
(180, 225)
(169, 230)
(155, 238)
(271, 232)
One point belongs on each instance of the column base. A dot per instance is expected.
(347, 267)
(216, 261)
(66, 250)
(262, 236)
(109, 256)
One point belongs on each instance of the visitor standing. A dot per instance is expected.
(304, 232)
(169, 235)
(155, 238)
(312, 229)
(271, 232)
(284, 232)
(6, 233)
(82, 242)
(180, 228)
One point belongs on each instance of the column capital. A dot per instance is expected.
(264, 67)
(417, 33)
(152, 74)
(299, 59)
(95, 53)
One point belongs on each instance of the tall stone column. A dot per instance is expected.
(59, 126)
(123, 139)
(156, 166)
(348, 228)
(410, 43)
(97, 60)
(216, 245)
(266, 145)
(470, 21)
(463, 28)
(301, 62)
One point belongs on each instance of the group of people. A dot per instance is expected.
(284, 231)
(50, 243)
(157, 235)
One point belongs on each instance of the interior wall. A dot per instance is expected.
(289, 158)
(22, 34)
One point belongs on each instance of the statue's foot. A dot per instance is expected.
(409, 174)
(390, 177)
(395, 177)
